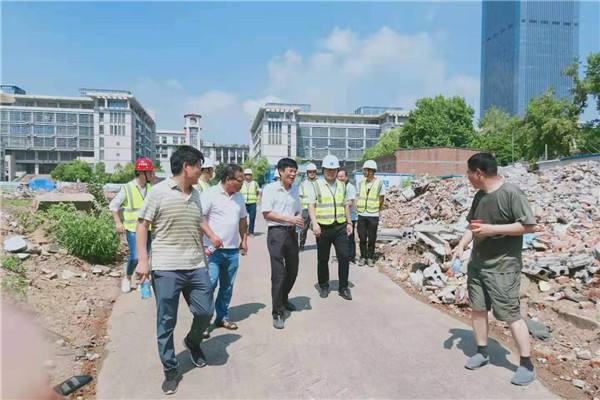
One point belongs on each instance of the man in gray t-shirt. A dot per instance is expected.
(499, 217)
(178, 262)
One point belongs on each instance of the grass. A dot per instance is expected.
(13, 264)
(17, 202)
(14, 282)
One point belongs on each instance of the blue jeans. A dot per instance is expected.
(251, 209)
(133, 258)
(194, 284)
(222, 268)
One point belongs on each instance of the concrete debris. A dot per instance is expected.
(584, 355)
(114, 274)
(52, 248)
(433, 276)
(578, 383)
(66, 274)
(23, 256)
(100, 269)
(15, 244)
(81, 201)
(538, 330)
(544, 286)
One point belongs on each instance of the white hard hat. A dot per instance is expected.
(371, 164)
(247, 171)
(208, 164)
(331, 162)
(311, 167)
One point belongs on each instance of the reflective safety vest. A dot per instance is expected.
(305, 187)
(133, 204)
(368, 198)
(330, 206)
(201, 186)
(250, 192)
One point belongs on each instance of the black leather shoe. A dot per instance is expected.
(345, 293)
(196, 354)
(323, 292)
(278, 322)
(289, 306)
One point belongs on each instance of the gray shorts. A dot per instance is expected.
(496, 291)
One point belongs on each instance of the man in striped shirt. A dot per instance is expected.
(178, 260)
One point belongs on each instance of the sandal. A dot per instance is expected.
(228, 325)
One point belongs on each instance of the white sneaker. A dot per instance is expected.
(125, 285)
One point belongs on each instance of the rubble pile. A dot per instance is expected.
(560, 287)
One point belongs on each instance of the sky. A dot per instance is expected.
(225, 59)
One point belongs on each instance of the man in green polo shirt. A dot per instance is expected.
(179, 264)
(499, 217)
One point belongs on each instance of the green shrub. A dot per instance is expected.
(123, 174)
(96, 189)
(84, 235)
(15, 285)
(13, 264)
(77, 170)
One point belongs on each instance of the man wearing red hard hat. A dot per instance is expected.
(129, 201)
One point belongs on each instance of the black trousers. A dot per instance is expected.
(333, 234)
(352, 243)
(367, 234)
(282, 242)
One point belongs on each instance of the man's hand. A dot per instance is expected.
(142, 270)
(349, 229)
(483, 230)
(244, 248)
(120, 228)
(216, 242)
(297, 220)
(316, 230)
(457, 252)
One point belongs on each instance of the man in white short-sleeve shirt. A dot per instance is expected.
(225, 210)
(281, 208)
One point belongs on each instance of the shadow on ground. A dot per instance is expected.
(241, 312)
(215, 350)
(465, 341)
(301, 302)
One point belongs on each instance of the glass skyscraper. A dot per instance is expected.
(525, 47)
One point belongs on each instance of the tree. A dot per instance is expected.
(589, 137)
(157, 166)
(387, 144)
(438, 121)
(74, 171)
(548, 122)
(498, 134)
(589, 85)
(259, 168)
(123, 174)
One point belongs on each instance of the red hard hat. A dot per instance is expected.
(144, 164)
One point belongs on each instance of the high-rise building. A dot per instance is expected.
(293, 130)
(39, 132)
(525, 47)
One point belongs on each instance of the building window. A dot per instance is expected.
(72, 118)
(115, 103)
(101, 129)
(101, 142)
(101, 117)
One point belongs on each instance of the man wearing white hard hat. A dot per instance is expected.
(206, 174)
(251, 193)
(329, 209)
(370, 201)
(307, 186)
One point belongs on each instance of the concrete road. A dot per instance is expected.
(383, 344)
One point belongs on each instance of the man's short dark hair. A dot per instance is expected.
(287, 163)
(185, 154)
(229, 172)
(485, 162)
(343, 170)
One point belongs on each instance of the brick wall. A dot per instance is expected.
(437, 161)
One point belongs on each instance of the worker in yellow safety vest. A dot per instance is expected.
(329, 210)
(128, 202)
(371, 194)
(251, 193)
(206, 174)
(307, 186)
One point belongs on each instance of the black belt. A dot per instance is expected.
(286, 228)
(334, 225)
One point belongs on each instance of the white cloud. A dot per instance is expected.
(344, 71)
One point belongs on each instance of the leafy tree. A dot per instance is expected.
(387, 144)
(77, 170)
(438, 121)
(498, 134)
(589, 137)
(259, 168)
(123, 174)
(157, 166)
(548, 122)
(587, 86)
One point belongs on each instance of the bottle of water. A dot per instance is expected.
(145, 289)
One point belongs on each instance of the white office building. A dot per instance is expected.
(294, 130)
(38, 132)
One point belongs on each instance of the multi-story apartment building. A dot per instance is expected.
(525, 47)
(294, 130)
(168, 140)
(39, 132)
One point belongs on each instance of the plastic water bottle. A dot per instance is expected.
(456, 266)
(145, 289)
(209, 250)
